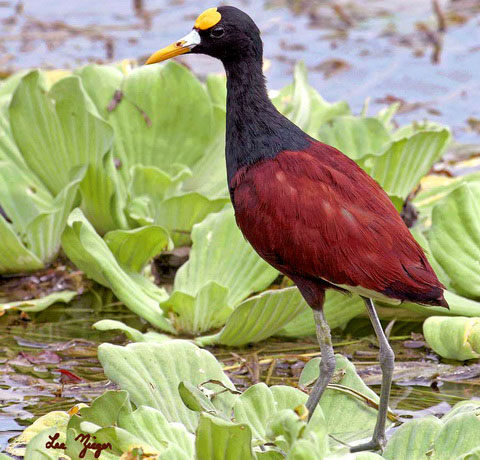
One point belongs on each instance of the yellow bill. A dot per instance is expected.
(182, 46)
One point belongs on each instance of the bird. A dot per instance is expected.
(305, 207)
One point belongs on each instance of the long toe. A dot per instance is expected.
(373, 444)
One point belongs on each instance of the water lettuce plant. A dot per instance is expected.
(176, 403)
(93, 161)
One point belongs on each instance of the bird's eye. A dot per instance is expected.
(218, 32)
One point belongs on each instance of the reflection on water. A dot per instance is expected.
(354, 50)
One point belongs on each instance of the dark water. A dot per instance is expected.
(362, 49)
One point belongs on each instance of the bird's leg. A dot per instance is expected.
(327, 364)
(387, 359)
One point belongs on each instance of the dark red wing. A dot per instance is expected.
(316, 214)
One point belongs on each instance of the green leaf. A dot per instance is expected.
(458, 436)
(151, 373)
(219, 439)
(258, 318)
(339, 310)
(178, 214)
(453, 338)
(194, 315)
(15, 257)
(91, 254)
(194, 399)
(110, 419)
(221, 254)
(43, 234)
(153, 427)
(459, 306)
(399, 169)
(59, 130)
(133, 249)
(217, 89)
(356, 137)
(303, 105)
(146, 133)
(133, 334)
(52, 422)
(36, 447)
(348, 417)
(413, 440)
(462, 407)
(425, 200)
(259, 405)
(455, 238)
(210, 172)
(104, 410)
(39, 304)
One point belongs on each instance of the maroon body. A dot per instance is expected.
(321, 220)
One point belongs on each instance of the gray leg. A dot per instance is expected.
(387, 359)
(327, 364)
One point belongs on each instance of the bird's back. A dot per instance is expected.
(315, 214)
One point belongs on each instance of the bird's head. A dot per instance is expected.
(225, 33)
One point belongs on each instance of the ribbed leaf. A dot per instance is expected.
(258, 317)
(221, 254)
(210, 172)
(303, 105)
(458, 436)
(14, 256)
(259, 404)
(356, 137)
(151, 374)
(133, 334)
(413, 440)
(453, 338)
(60, 130)
(455, 238)
(179, 214)
(406, 161)
(200, 313)
(39, 304)
(133, 249)
(339, 310)
(91, 254)
(44, 233)
(145, 132)
(219, 439)
(348, 417)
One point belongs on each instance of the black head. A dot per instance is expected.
(225, 33)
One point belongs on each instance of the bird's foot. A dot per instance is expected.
(376, 443)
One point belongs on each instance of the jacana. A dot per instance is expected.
(305, 207)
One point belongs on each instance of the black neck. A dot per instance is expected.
(255, 129)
